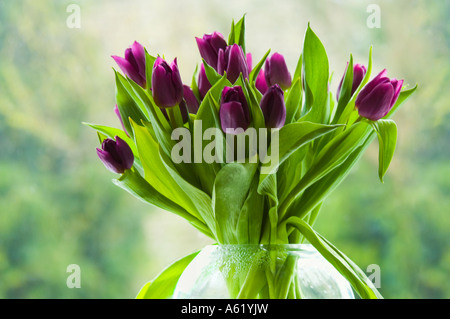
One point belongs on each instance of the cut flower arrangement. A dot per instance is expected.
(248, 152)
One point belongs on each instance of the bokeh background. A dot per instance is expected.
(58, 205)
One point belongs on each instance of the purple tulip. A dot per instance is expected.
(233, 61)
(191, 100)
(234, 112)
(209, 47)
(167, 87)
(260, 82)
(203, 83)
(359, 71)
(276, 72)
(377, 98)
(273, 107)
(133, 65)
(116, 155)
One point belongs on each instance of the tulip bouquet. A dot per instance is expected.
(247, 153)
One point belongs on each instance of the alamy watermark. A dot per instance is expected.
(73, 21)
(74, 279)
(374, 19)
(209, 146)
(373, 272)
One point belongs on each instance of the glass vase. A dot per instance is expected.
(261, 272)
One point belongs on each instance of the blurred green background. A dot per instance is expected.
(58, 205)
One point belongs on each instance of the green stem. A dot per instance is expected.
(175, 117)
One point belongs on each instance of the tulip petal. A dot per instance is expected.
(203, 83)
(139, 56)
(397, 84)
(260, 82)
(236, 94)
(124, 65)
(191, 99)
(109, 162)
(129, 70)
(232, 117)
(249, 59)
(125, 153)
(377, 103)
(176, 82)
(209, 47)
(167, 87)
(359, 71)
(380, 78)
(276, 72)
(273, 107)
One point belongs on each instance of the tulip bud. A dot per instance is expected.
(359, 71)
(273, 107)
(233, 61)
(377, 98)
(191, 100)
(116, 155)
(133, 65)
(260, 82)
(276, 72)
(234, 112)
(203, 83)
(167, 87)
(209, 47)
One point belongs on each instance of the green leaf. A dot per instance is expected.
(293, 136)
(156, 173)
(127, 104)
(387, 139)
(293, 100)
(268, 187)
(112, 132)
(194, 85)
(298, 68)
(211, 74)
(333, 154)
(149, 62)
(346, 90)
(237, 33)
(207, 119)
(159, 125)
(349, 109)
(163, 286)
(250, 219)
(230, 191)
(318, 192)
(199, 201)
(255, 110)
(359, 281)
(315, 74)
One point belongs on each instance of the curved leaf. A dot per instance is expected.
(387, 139)
(163, 286)
(315, 75)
